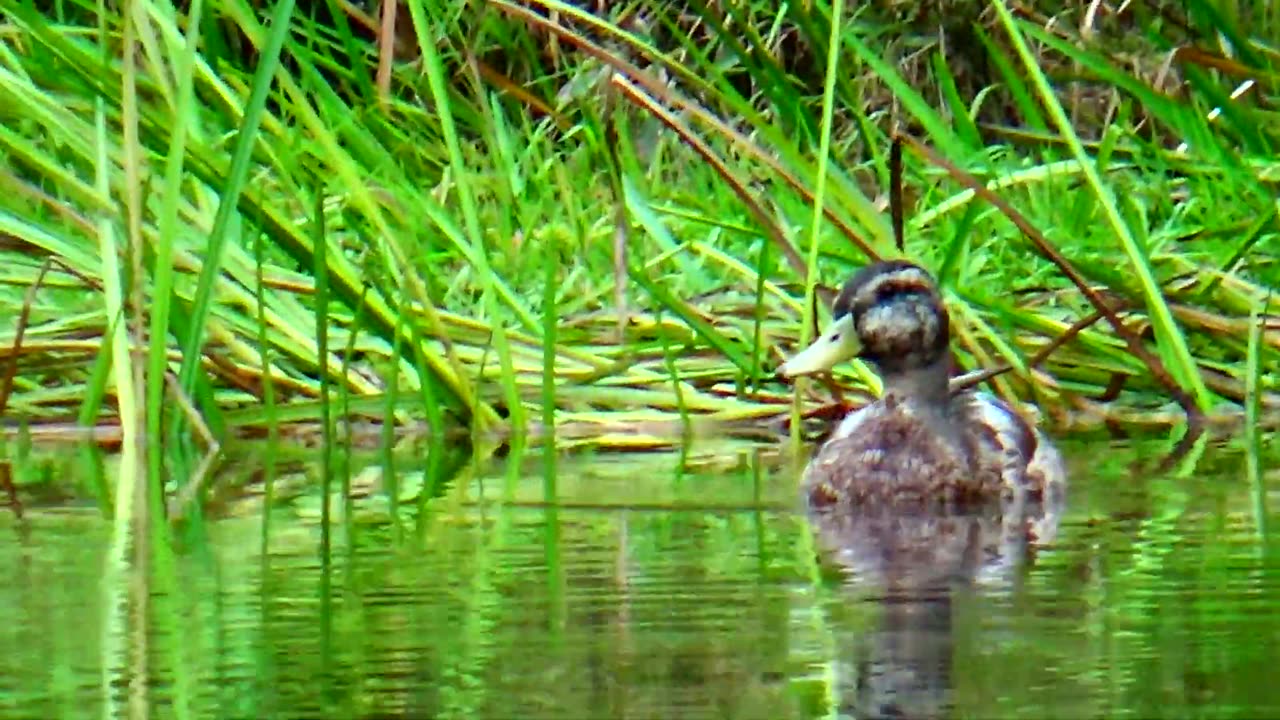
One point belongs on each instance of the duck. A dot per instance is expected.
(919, 444)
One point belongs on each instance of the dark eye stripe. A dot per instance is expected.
(902, 283)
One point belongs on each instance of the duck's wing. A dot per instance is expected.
(1020, 441)
(1030, 459)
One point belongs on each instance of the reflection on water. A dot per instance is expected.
(912, 565)
(652, 589)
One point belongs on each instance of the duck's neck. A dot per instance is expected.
(927, 390)
(928, 386)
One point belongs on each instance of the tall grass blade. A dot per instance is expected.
(1253, 420)
(229, 199)
(549, 322)
(162, 271)
(130, 470)
(819, 196)
(443, 104)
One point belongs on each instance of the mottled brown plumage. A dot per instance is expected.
(919, 445)
(896, 457)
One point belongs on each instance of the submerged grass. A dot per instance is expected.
(470, 168)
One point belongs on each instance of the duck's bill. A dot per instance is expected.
(838, 342)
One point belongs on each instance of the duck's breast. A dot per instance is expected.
(856, 419)
(886, 452)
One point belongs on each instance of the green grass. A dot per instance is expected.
(472, 275)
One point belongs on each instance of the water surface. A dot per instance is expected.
(651, 586)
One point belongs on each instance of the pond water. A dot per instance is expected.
(653, 586)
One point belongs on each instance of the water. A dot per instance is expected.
(655, 587)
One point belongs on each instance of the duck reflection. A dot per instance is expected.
(912, 566)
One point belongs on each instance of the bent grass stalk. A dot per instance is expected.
(1168, 333)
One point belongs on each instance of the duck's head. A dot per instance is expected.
(890, 314)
